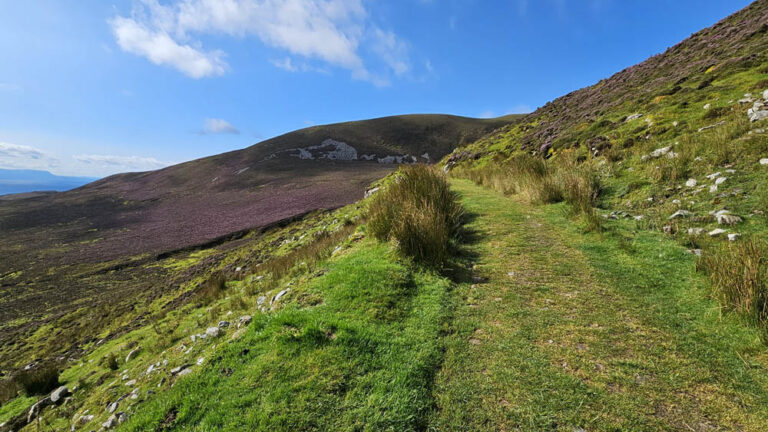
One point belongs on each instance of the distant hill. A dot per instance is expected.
(21, 181)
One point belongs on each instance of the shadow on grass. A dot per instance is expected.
(459, 268)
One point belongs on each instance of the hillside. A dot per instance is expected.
(93, 244)
(600, 264)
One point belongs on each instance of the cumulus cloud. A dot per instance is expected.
(16, 156)
(335, 32)
(219, 126)
(159, 48)
(120, 163)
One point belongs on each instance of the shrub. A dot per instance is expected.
(8, 390)
(213, 288)
(419, 212)
(111, 362)
(39, 380)
(739, 275)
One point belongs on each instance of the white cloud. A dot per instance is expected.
(17, 156)
(159, 48)
(335, 32)
(120, 163)
(219, 126)
(288, 64)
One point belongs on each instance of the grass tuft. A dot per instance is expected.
(739, 275)
(419, 212)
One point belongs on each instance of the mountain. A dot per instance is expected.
(95, 242)
(14, 181)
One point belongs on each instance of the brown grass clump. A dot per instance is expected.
(39, 380)
(212, 289)
(739, 275)
(318, 249)
(419, 212)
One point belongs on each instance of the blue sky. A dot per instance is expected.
(93, 87)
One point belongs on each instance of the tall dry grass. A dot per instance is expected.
(739, 276)
(419, 212)
(540, 181)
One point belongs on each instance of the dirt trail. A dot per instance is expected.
(578, 332)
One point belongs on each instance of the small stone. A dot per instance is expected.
(717, 232)
(110, 423)
(714, 175)
(713, 189)
(764, 161)
(691, 182)
(668, 229)
(707, 106)
(200, 361)
(176, 370)
(212, 331)
(223, 324)
(244, 321)
(639, 217)
(122, 417)
(720, 180)
(151, 369)
(680, 214)
(131, 383)
(184, 372)
(279, 295)
(59, 393)
(695, 231)
(131, 355)
(112, 407)
(633, 117)
(261, 300)
(733, 237)
(728, 219)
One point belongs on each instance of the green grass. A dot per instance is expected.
(601, 331)
(363, 358)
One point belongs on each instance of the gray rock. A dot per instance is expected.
(728, 219)
(244, 321)
(131, 355)
(758, 115)
(131, 383)
(184, 372)
(112, 407)
(714, 175)
(212, 331)
(691, 182)
(717, 232)
(660, 152)
(695, 231)
(121, 417)
(633, 117)
(223, 324)
(680, 214)
(279, 295)
(733, 237)
(707, 106)
(85, 418)
(764, 161)
(59, 394)
(110, 423)
(260, 301)
(35, 409)
(720, 180)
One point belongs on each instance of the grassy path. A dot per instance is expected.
(578, 331)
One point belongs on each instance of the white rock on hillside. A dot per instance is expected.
(695, 231)
(716, 232)
(691, 182)
(212, 331)
(764, 161)
(733, 237)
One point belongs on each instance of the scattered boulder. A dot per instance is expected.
(707, 106)
(244, 321)
(733, 237)
(716, 232)
(131, 354)
(131, 383)
(35, 410)
(279, 295)
(261, 300)
(713, 189)
(720, 180)
(728, 219)
(58, 394)
(691, 183)
(212, 332)
(370, 192)
(110, 423)
(680, 214)
(714, 175)
(633, 117)
(695, 231)
(121, 417)
(764, 161)
(223, 324)
(185, 371)
(112, 407)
